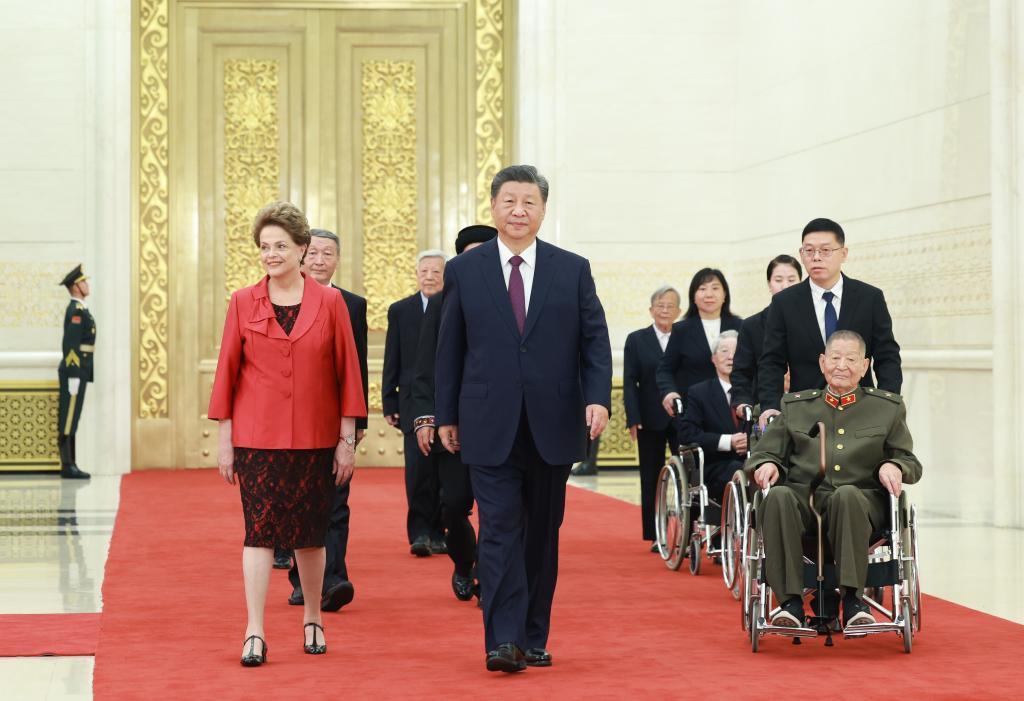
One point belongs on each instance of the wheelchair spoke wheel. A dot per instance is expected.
(727, 534)
(908, 626)
(752, 614)
(695, 554)
(672, 516)
(914, 580)
(748, 569)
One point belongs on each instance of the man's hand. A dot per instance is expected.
(765, 415)
(425, 439)
(597, 419)
(739, 411)
(667, 402)
(738, 441)
(891, 477)
(766, 474)
(449, 436)
(633, 430)
(392, 419)
(344, 462)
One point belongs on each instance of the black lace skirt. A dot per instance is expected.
(286, 496)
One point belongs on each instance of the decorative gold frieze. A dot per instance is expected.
(374, 399)
(490, 101)
(390, 187)
(152, 178)
(252, 162)
(32, 295)
(28, 425)
(617, 448)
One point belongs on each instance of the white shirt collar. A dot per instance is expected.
(81, 301)
(529, 256)
(727, 386)
(817, 292)
(424, 299)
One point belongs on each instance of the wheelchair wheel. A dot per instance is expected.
(752, 614)
(733, 510)
(695, 554)
(914, 580)
(672, 514)
(908, 626)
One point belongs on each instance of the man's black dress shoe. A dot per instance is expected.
(250, 658)
(856, 612)
(438, 547)
(420, 546)
(296, 598)
(464, 587)
(538, 657)
(507, 657)
(337, 595)
(282, 560)
(654, 548)
(71, 472)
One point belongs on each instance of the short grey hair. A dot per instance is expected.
(664, 290)
(724, 336)
(520, 174)
(431, 253)
(847, 335)
(325, 234)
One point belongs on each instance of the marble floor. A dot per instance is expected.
(54, 537)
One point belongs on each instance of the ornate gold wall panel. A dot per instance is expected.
(617, 448)
(390, 188)
(32, 296)
(28, 426)
(490, 101)
(252, 165)
(152, 180)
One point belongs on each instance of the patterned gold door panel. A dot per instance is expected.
(383, 124)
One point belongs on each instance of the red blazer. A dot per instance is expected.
(285, 391)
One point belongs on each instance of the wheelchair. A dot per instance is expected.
(686, 519)
(736, 517)
(892, 577)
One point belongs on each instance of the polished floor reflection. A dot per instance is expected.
(54, 537)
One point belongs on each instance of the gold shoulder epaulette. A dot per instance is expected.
(78, 305)
(882, 394)
(801, 396)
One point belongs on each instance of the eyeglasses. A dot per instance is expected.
(809, 251)
(665, 307)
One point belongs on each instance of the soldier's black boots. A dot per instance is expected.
(68, 468)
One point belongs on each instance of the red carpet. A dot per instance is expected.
(624, 626)
(32, 635)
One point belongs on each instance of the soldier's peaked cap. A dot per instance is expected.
(76, 275)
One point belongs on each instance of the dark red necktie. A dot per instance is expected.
(516, 293)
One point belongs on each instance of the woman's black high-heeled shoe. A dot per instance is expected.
(313, 648)
(251, 659)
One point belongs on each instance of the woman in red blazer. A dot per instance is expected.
(287, 393)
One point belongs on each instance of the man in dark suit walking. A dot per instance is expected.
(423, 522)
(456, 490)
(649, 425)
(802, 317)
(321, 261)
(523, 378)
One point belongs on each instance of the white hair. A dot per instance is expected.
(724, 336)
(431, 253)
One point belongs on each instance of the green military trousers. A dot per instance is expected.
(849, 516)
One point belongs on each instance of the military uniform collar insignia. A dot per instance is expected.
(837, 401)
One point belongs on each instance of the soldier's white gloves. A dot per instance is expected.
(73, 384)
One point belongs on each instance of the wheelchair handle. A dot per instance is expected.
(677, 405)
(748, 414)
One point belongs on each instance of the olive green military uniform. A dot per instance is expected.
(863, 429)
(77, 351)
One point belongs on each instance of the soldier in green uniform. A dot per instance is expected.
(75, 371)
(869, 455)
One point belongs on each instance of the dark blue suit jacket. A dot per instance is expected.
(707, 416)
(486, 372)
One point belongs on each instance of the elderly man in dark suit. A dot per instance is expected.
(523, 377)
(649, 425)
(322, 257)
(802, 317)
(405, 317)
(456, 490)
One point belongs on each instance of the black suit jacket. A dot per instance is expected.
(357, 315)
(792, 338)
(706, 418)
(744, 364)
(404, 319)
(426, 353)
(687, 358)
(639, 384)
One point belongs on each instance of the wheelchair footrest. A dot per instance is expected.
(787, 631)
(861, 631)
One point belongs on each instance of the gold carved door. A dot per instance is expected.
(384, 122)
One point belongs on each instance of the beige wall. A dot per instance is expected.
(64, 136)
(679, 134)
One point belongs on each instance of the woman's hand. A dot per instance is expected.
(226, 453)
(344, 462)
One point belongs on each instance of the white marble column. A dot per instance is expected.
(1007, 147)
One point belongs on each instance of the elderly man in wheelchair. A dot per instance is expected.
(840, 452)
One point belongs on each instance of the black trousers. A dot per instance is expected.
(335, 541)
(422, 491)
(456, 507)
(651, 446)
(522, 504)
(69, 408)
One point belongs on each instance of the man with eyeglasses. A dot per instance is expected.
(802, 317)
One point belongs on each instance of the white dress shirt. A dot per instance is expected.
(526, 268)
(662, 337)
(725, 441)
(424, 299)
(712, 329)
(819, 302)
